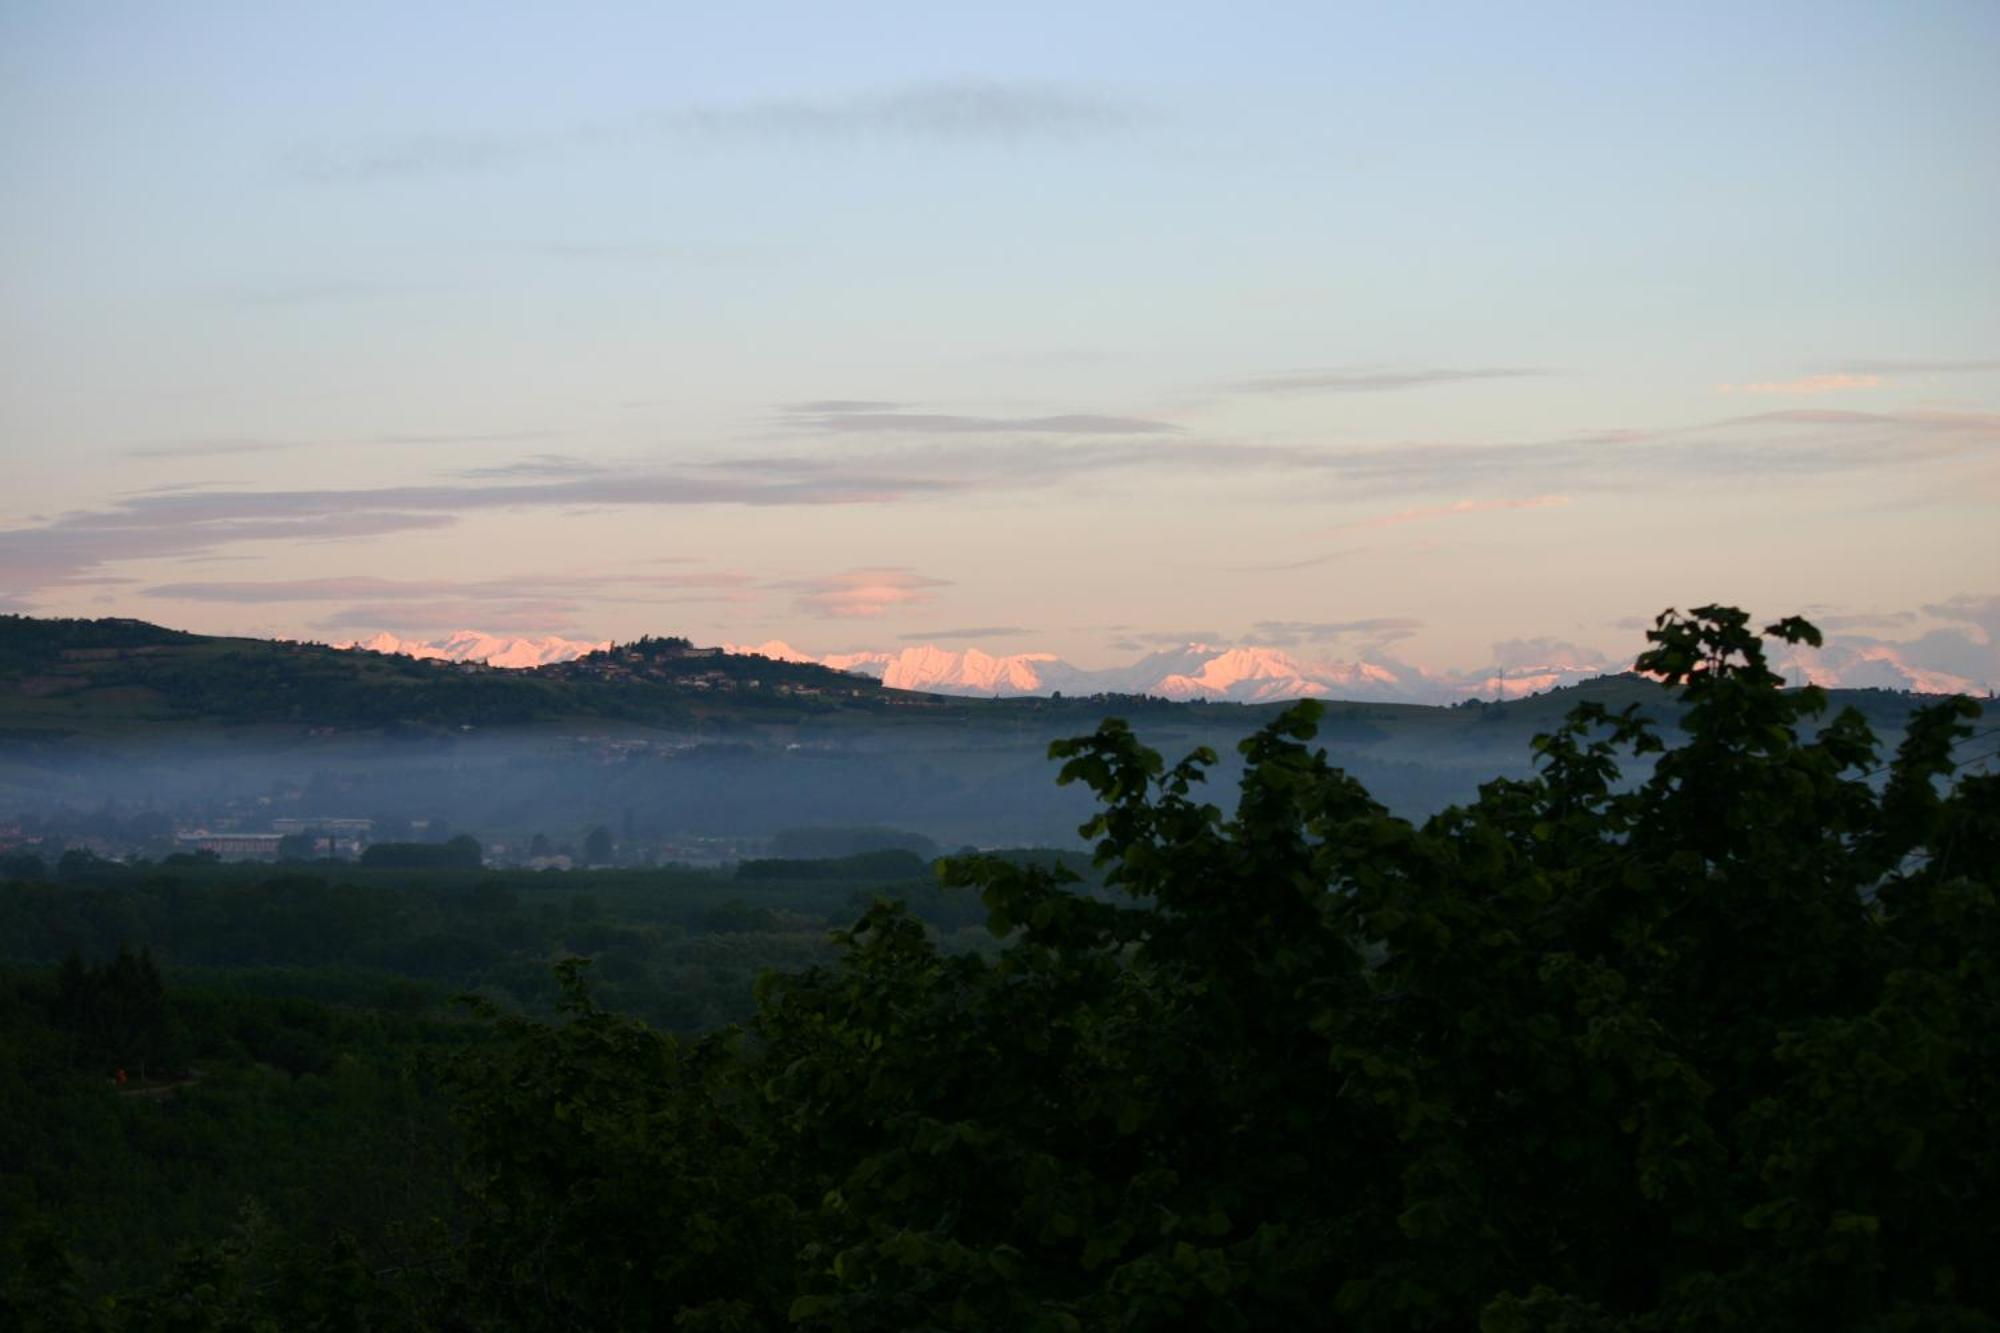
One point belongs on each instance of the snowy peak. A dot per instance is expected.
(1871, 665)
(1195, 671)
(868, 664)
(1262, 675)
(468, 645)
(970, 672)
(1242, 674)
(935, 670)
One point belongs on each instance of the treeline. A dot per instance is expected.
(894, 864)
(456, 853)
(680, 947)
(115, 1015)
(29, 643)
(321, 1124)
(226, 1037)
(1711, 1049)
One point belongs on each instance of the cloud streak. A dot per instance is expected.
(953, 111)
(341, 589)
(220, 447)
(947, 113)
(1377, 631)
(854, 419)
(1379, 379)
(977, 632)
(203, 448)
(180, 523)
(538, 603)
(821, 406)
(540, 465)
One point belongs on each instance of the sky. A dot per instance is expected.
(1418, 329)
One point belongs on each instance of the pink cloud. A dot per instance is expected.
(861, 593)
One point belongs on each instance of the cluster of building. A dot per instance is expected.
(705, 670)
(339, 838)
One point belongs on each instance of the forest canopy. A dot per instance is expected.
(1710, 1047)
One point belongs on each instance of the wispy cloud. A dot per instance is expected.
(69, 550)
(977, 632)
(206, 448)
(823, 406)
(860, 593)
(1376, 631)
(203, 448)
(468, 437)
(857, 418)
(1427, 512)
(537, 603)
(1339, 629)
(1834, 382)
(171, 523)
(1379, 379)
(540, 465)
(962, 112)
(348, 588)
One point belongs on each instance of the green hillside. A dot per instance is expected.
(103, 678)
(115, 679)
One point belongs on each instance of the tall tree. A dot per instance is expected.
(1708, 1047)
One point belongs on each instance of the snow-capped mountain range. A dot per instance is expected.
(1253, 674)
(1238, 674)
(1193, 671)
(468, 645)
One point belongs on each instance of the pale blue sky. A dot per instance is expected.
(1173, 317)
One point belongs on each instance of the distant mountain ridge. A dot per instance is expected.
(1260, 674)
(467, 645)
(1241, 674)
(71, 685)
(1237, 674)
